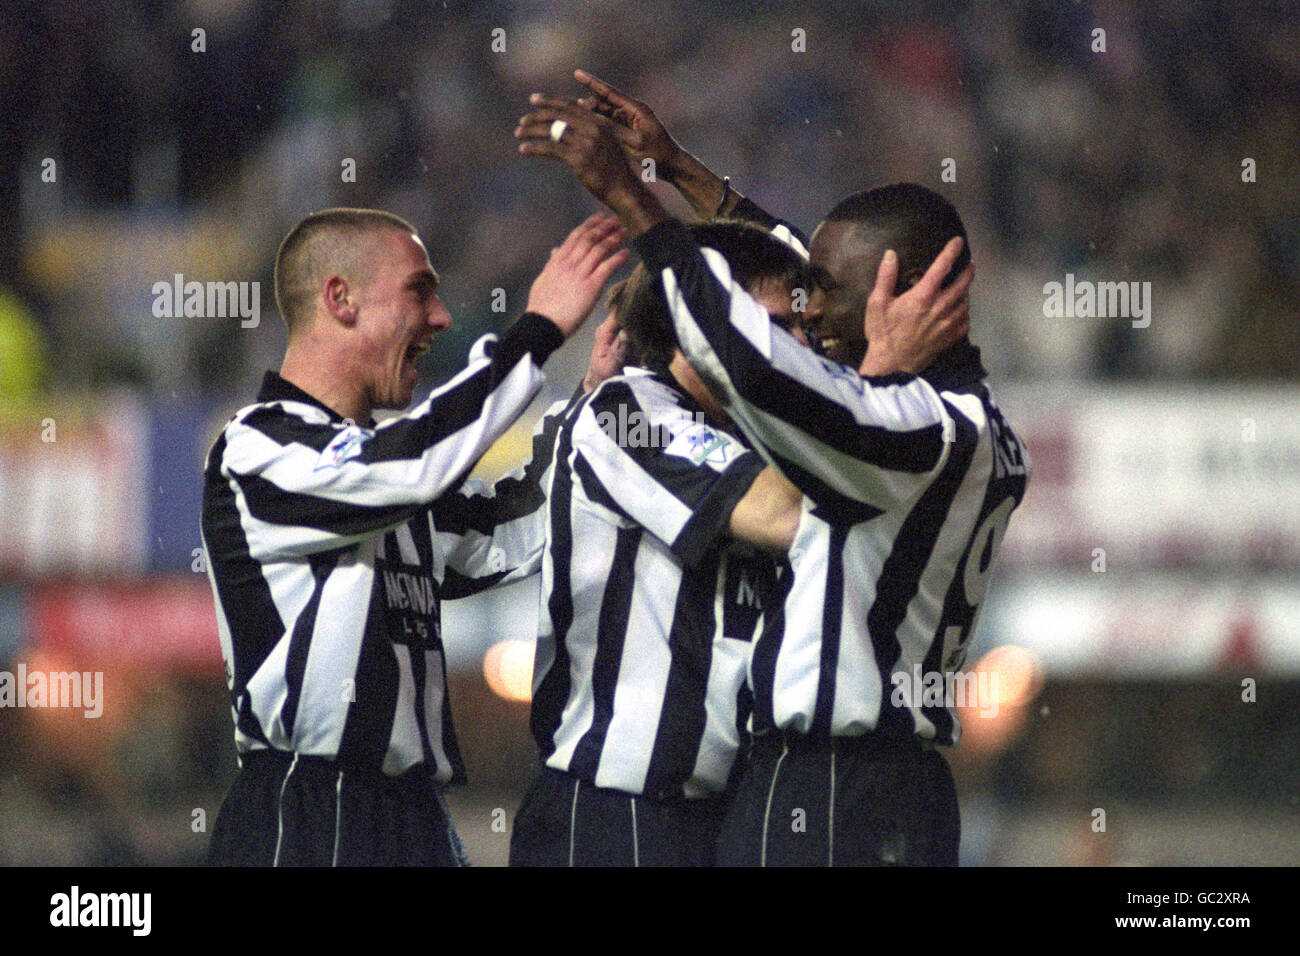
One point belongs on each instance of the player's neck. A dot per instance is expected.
(308, 367)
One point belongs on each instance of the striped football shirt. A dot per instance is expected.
(331, 545)
(648, 608)
(909, 482)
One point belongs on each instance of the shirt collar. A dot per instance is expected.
(661, 374)
(957, 368)
(278, 389)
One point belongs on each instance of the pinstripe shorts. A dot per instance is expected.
(288, 809)
(566, 821)
(842, 801)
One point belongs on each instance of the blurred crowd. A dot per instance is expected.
(1116, 156)
(142, 139)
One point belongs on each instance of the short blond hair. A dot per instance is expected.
(325, 241)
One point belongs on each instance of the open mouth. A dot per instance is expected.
(416, 350)
(829, 342)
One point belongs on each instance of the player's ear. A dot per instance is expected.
(340, 299)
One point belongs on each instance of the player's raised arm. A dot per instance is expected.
(644, 136)
(832, 435)
(310, 481)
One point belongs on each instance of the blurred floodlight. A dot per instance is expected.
(1019, 673)
(508, 669)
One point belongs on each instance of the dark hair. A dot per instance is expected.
(313, 245)
(753, 255)
(914, 221)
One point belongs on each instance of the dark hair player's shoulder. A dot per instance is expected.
(752, 254)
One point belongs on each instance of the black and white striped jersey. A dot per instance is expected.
(909, 482)
(648, 608)
(330, 546)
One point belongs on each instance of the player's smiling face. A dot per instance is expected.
(845, 268)
(399, 313)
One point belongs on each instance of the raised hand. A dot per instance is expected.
(643, 136)
(905, 333)
(570, 282)
(639, 130)
(589, 145)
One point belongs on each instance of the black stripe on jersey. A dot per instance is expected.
(768, 649)
(285, 427)
(595, 488)
(531, 333)
(691, 643)
(890, 378)
(832, 619)
(900, 575)
(669, 245)
(241, 588)
(295, 665)
(612, 623)
(553, 690)
(419, 677)
(369, 723)
(453, 410)
(419, 659)
(269, 502)
(915, 451)
(456, 585)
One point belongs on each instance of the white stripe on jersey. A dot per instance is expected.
(729, 668)
(404, 749)
(323, 684)
(799, 664)
(592, 525)
(642, 674)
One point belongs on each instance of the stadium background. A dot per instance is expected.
(1147, 585)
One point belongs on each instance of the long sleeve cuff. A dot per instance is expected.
(535, 333)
